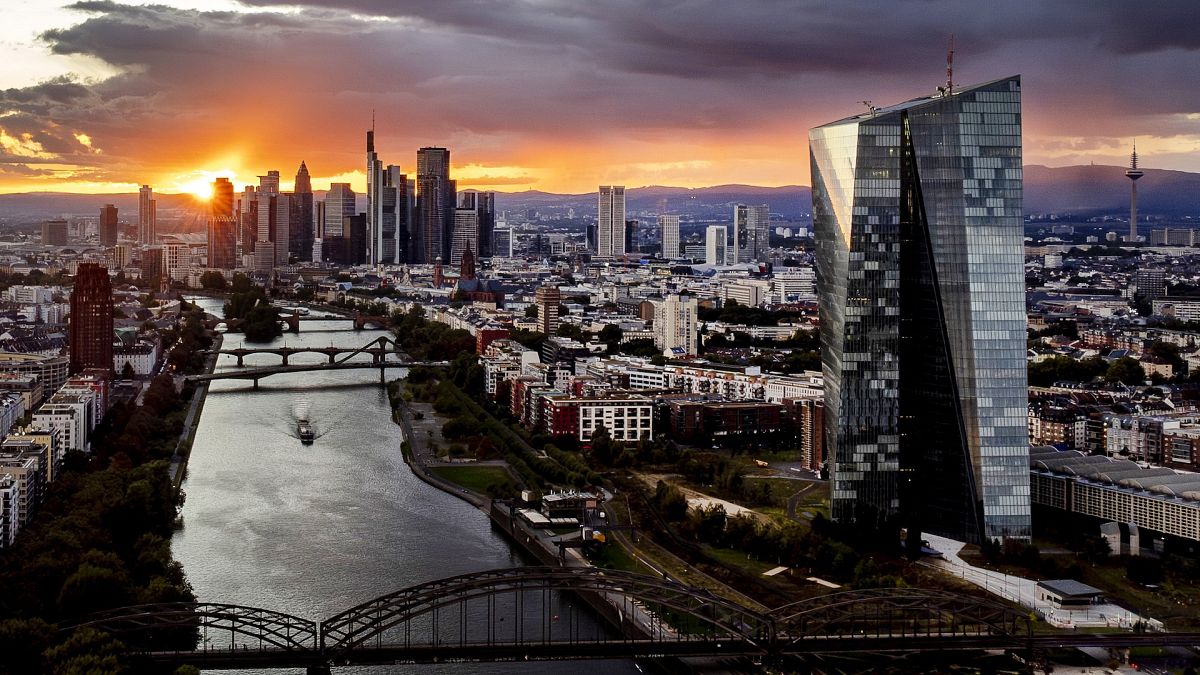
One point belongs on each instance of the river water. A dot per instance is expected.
(311, 530)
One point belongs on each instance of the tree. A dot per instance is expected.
(1126, 370)
(213, 280)
(127, 372)
(670, 501)
(569, 330)
(531, 312)
(241, 283)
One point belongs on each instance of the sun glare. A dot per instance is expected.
(199, 184)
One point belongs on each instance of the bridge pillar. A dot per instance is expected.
(285, 358)
(240, 358)
(332, 357)
(256, 383)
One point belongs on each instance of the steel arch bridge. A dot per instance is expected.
(464, 618)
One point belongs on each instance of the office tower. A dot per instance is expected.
(147, 216)
(1150, 284)
(465, 234)
(631, 236)
(355, 228)
(247, 220)
(675, 323)
(269, 184)
(222, 199)
(91, 329)
(1133, 173)
(715, 245)
(502, 242)
(54, 233)
(917, 211)
(300, 227)
(339, 204)
(610, 222)
(152, 265)
(274, 221)
(668, 226)
(435, 204)
(177, 259)
(485, 204)
(751, 233)
(548, 299)
(108, 228)
(222, 242)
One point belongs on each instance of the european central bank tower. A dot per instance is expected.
(917, 209)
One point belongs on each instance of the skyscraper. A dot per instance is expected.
(108, 225)
(675, 323)
(247, 220)
(716, 245)
(339, 204)
(300, 227)
(917, 210)
(222, 197)
(1133, 173)
(668, 226)
(435, 205)
(751, 233)
(548, 299)
(610, 222)
(147, 216)
(91, 329)
(502, 242)
(465, 234)
(485, 204)
(375, 184)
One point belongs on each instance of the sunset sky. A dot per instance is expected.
(558, 95)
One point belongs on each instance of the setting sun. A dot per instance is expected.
(198, 183)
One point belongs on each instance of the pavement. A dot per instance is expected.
(1024, 592)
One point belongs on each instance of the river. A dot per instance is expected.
(314, 529)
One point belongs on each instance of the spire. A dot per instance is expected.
(1133, 157)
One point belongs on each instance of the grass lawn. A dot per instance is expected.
(737, 559)
(474, 478)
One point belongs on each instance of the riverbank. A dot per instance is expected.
(183, 450)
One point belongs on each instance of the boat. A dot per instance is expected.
(305, 430)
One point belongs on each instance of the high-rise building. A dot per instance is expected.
(917, 210)
(1150, 284)
(716, 245)
(54, 233)
(339, 204)
(435, 205)
(631, 236)
(751, 233)
(300, 226)
(675, 323)
(152, 265)
(222, 242)
(610, 222)
(668, 226)
(269, 184)
(177, 259)
(108, 228)
(147, 216)
(1133, 173)
(222, 198)
(91, 329)
(548, 299)
(274, 220)
(502, 242)
(485, 204)
(465, 234)
(247, 220)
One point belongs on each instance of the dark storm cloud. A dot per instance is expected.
(492, 75)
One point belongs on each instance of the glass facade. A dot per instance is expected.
(917, 210)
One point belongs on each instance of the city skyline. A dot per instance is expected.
(660, 100)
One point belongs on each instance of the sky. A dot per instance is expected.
(559, 95)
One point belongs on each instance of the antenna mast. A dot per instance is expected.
(950, 66)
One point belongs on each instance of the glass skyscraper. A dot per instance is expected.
(917, 209)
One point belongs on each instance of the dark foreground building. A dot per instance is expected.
(91, 338)
(917, 209)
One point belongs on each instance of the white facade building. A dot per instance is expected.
(668, 225)
(675, 323)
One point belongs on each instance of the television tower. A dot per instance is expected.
(1133, 173)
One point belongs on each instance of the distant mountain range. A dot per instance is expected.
(1077, 190)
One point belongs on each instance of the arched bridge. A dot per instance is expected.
(378, 349)
(292, 321)
(509, 614)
